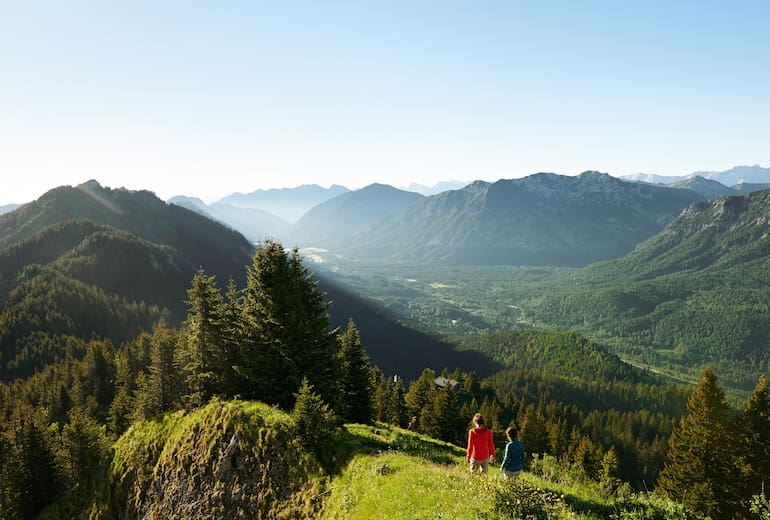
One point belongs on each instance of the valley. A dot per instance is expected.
(118, 308)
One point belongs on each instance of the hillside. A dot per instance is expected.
(222, 251)
(543, 219)
(129, 260)
(236, 459)
(692, 296)
(335, 220)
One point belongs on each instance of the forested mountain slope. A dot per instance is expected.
(222, 251)
(129, 259)
(543, 219)
(693, 296)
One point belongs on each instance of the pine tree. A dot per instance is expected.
(287, 333)
(418, 400)
(699, 472)
(448, 425)
(381, 395)
(28, 471)
(161, 389)
(203, 352)
(232, 331)
(314, 423)
(355, 379)
(753, 428)
(397, 413)
(84, 446)
(533, 430)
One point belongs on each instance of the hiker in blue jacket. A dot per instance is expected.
(514, 455)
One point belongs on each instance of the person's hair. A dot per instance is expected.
(478, 419)
(511, 432)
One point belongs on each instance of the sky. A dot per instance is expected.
(209, 98)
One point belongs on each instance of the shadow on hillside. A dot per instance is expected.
(394, 348)
(381, 438)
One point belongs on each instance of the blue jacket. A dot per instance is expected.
(514, 456)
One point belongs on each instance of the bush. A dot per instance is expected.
(519, 499)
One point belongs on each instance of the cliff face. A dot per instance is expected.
(226, 460)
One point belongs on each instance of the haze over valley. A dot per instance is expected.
(288, 260)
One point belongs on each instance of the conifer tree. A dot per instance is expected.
(355, 378)
(203, 352)
(418, 400)
(83, 448)
(28, 471)
(232, 331)
(287, 333)
(397, 413)
(161, 388)
(533, 430)
(448, 425)
(753, 428)
(314, 423)
(381, 395)
(699, 472)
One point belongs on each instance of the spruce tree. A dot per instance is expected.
(418, 400)
(161, 388)
(533, 430)
(286, 329)
(355, 379)
(314, 423)
(753, 428)
(203, 350)
(232, 331)
(397, 413)
(699, 472)
(448, 425)
(29, 478)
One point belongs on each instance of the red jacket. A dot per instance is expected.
(480, 444)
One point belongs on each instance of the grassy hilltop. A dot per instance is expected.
(236, 459)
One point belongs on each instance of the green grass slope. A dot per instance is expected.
(396, 474)
(240, 459)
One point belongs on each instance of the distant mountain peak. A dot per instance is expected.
(592, 175)
(288, 203)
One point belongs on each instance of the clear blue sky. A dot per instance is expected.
(209, 98)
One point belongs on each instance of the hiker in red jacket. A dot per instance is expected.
(481, 447)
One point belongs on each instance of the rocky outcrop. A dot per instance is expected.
(226, 460)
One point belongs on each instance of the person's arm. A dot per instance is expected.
(506, 455)
(470, 441)
(491, 445)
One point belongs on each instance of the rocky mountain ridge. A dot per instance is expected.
(543, 219)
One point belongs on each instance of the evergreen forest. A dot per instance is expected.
(138, 381)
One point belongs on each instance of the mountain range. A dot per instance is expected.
(287, 203)
(98, 262)
(737, 175)
(693, 296)
(543, 219)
